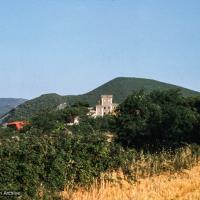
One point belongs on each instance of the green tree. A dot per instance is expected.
(45, 120)
(159, 118)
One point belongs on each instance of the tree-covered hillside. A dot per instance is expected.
(120, 88)
(6, 104)
(31, 107)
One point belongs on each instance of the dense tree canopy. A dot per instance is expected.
(161, 117)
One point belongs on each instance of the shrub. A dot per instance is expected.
(54, 161)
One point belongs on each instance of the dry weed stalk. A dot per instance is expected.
(177, 186)
(156, 179)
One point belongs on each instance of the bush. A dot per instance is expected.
(54, 161)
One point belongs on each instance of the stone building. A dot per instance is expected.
(105, 106)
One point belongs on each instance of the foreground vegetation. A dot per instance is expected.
(151, 134)
(178, 186)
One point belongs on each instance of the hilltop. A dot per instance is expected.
(120, 88)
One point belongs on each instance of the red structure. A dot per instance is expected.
(18, 125)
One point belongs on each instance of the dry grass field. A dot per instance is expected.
(184, 185)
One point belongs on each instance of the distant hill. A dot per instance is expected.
(120, 88)
(7, 104)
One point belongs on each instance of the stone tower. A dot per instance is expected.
(106, 105)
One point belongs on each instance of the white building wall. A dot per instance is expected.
(105, 106)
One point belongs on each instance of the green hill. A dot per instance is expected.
(120, 88)
(29, 108)
(6, 104)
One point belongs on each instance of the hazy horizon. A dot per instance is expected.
(73, 47)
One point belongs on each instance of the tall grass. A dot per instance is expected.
(153, 176)
(178, 186)
(148, 164)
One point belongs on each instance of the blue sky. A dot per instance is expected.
(73, 46)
